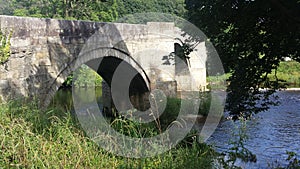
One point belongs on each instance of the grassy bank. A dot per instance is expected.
(288, 71)
(31, 138)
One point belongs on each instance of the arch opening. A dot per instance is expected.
(138, 89)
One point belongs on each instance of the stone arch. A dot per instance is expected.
(97, 59)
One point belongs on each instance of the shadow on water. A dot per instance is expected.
(271, 133)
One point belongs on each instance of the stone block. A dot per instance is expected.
(18, 42)
(164, 28)
(4, 84)
(54, 40)
(168, 87)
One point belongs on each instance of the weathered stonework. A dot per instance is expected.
(45, 51)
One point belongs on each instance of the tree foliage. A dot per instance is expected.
(66, 9)
(99, 10)
(86, 77)
(251, 37)
(175, 7)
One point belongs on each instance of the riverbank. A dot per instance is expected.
(53, 139)
(283, 89)
(291, 89)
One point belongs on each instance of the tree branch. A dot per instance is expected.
(285, 11)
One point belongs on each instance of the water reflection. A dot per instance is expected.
(63, 97)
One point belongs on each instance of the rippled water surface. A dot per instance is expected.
(271, 133)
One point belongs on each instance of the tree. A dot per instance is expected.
(5, 8)
(251, 37)
(66, 9)
(99, 10)
(175, 7)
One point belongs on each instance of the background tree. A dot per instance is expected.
(176, 7)
(251, 37)
(66, 9)
(98, 10)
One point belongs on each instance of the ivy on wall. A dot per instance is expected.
(4, 46)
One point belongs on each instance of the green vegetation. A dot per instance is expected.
(251, 38)
(289, 71)
(4, 46)
(31, 138)
(294, 162)
(237, 148)
(68, 9)
(83, 77)
(176, 7)
(218, 81)
(105, 11)
(173, 107)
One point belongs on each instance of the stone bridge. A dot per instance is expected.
(45, 51)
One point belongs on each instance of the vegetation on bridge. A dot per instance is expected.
(4, 45)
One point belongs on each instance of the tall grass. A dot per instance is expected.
(30, 138)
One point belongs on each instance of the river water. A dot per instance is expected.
(270, 133)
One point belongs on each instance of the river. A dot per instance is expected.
(270, 133)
